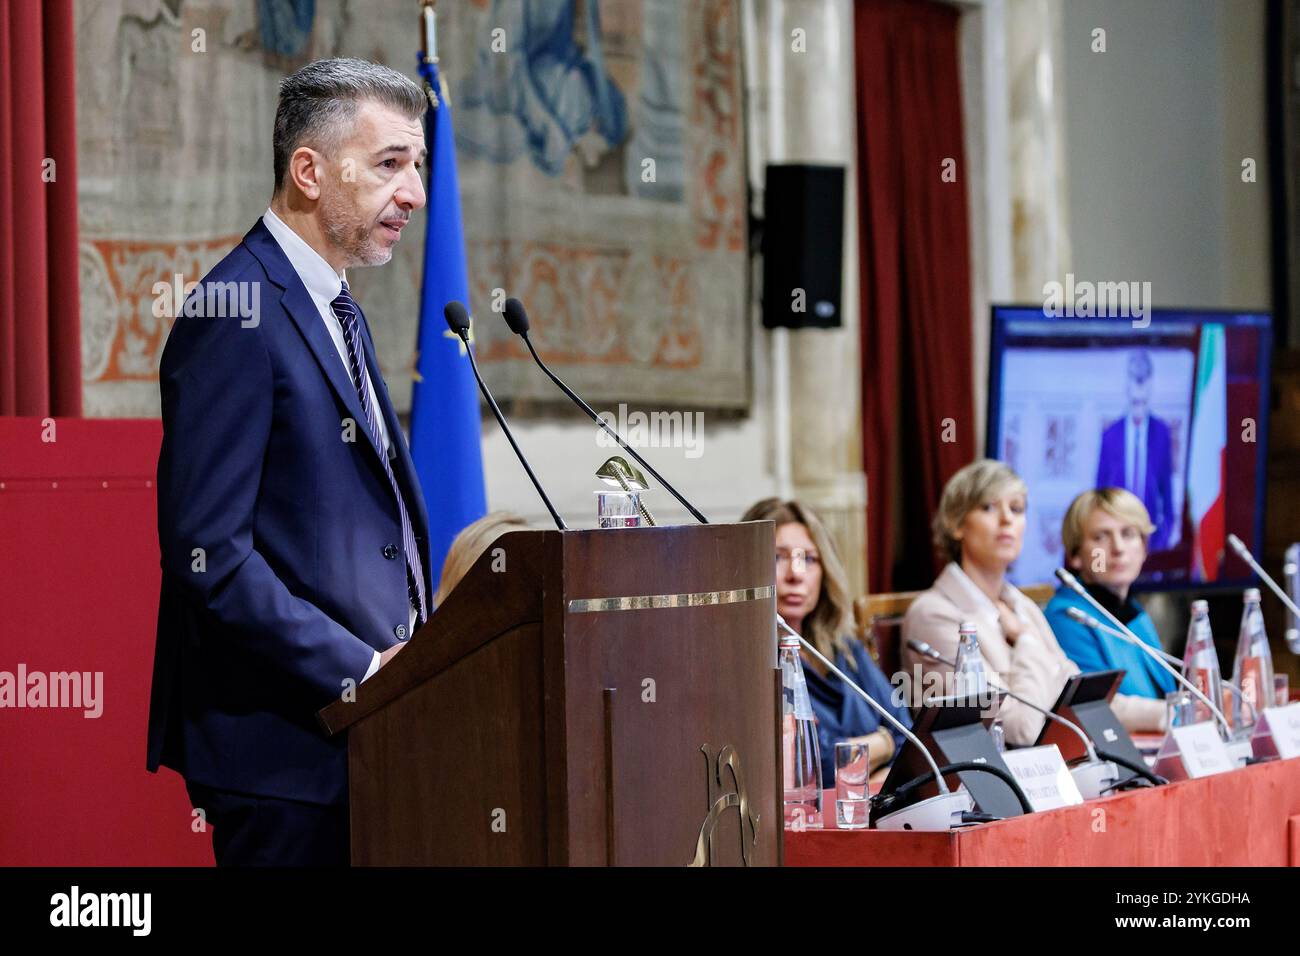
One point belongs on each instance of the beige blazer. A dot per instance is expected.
(1034, 667)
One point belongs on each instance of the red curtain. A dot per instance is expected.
(40, 302)
(915, 267)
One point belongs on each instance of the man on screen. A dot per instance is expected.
(293, 533)
(1136, 452)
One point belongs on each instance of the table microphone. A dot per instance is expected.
(1071, 582)
(1292, 636)
(1094, 776)
(458, 321)
(517, 319)
(1083, 617)
(940, 812)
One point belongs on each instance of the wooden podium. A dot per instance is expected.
(581, 698)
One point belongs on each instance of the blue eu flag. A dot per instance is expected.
(445, 431)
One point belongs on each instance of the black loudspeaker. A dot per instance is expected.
(803, 246)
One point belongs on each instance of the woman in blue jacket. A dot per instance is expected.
(812, 595)
(1105, 534)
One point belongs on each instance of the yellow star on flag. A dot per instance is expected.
(449, 334)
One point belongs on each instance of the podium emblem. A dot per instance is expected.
(726, 760)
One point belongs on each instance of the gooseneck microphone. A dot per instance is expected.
(941, 812)
(1086, 619)
(1292, 639)
(1093, 775)
(953, 805)
(517, 318)
(457, 317)
(878, 708)
(925, 650)
(1071, 582)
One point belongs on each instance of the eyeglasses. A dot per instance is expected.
(797, 559)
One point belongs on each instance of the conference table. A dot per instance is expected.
(1246, 817)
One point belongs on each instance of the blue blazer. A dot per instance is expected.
(842, 714)
(300, 577)
(1104, 652)
(1157, 492)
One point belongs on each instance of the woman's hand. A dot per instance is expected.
(1012, 626)
(880, 746)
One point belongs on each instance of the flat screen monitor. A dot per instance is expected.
(1172, 406)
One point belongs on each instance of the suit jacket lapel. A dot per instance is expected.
(403, 465)
(948, 585)
(297, 302)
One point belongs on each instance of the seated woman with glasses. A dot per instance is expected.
(812, 595)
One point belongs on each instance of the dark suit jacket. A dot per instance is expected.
(1157, 494)
(300, 578)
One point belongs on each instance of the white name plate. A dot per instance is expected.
(1202, 750)
(1043, 775)
(1281, 725)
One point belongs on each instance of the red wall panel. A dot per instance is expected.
(79, 577)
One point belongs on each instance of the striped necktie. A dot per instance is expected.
(345, 307)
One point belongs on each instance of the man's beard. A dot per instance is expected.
(350, 233)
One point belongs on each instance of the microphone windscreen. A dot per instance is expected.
(457, 317)
(516, 317)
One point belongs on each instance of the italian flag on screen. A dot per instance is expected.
(1205, 466)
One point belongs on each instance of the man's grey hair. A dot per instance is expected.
(1139, 365)
(319, 101)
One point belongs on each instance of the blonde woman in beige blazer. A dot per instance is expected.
(980, 525)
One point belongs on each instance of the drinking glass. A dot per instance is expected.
(852, 785)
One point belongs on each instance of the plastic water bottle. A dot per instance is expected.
(969, 682)
(801, 765)
(1252, 667)
(1291, 574)
(1201, 662)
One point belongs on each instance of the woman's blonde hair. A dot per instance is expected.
(472, 541)
(974, 485)
(1117, 502)
(825, 624)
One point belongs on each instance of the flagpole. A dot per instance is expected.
(429, 29)
(429, 48)
(446, 428)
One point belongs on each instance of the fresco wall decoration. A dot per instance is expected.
(601, 159)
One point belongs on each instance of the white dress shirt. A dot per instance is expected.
(1135, 455)
(324, 285)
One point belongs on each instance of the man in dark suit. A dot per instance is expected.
(1137, 453)
(292, 529)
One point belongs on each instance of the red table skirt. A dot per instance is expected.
(1250, 817)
